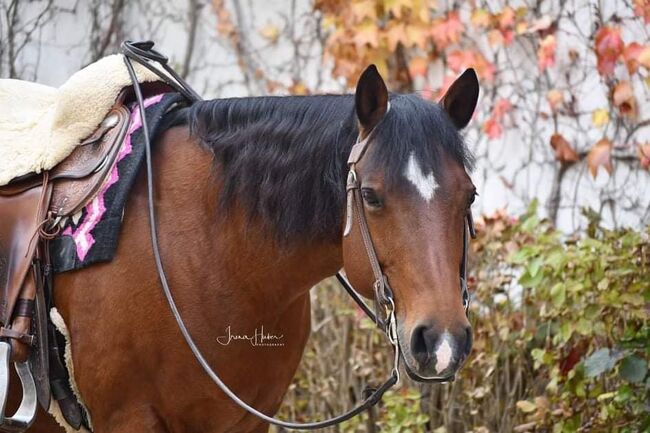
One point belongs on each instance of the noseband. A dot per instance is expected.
(143, 53)
(384, 298)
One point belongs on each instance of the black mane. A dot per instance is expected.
(284, 158)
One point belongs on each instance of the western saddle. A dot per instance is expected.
(31, 208)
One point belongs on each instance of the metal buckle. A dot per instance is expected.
(352, 177)
(351, 184)
(391, 332)
(383, 293)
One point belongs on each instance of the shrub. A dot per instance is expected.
(561, 341)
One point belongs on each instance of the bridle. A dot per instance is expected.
(384, 298)
(144, 54)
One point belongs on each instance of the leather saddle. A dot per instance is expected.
(31, 208)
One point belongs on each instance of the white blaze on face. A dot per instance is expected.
(426, 185)
(443, 353)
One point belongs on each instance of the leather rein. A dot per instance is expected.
(144, 54)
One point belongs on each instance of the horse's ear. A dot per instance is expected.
(371, 98)
(460, 100)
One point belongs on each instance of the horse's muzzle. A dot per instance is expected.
(436, 356)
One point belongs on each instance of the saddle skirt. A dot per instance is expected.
(40, 125)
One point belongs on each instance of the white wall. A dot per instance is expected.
(510, 171)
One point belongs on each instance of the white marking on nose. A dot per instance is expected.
(426, 185)
(443, 353)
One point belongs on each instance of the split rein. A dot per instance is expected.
(144, 54)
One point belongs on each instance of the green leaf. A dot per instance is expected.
(633, 369)
(605, 396)
(529, 224)
(526, 406)
(521, 255)
(528, 280)
(584, 326)
(566, 330)
(635, 299)
(557, 259)
(558, 294)
(601, 361)
(534, 266)
(603, 284)
(538, 356)
(592, 312)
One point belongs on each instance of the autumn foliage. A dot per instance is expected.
(422, 45)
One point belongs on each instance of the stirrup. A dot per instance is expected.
(24, 416)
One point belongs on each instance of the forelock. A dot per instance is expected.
(414, 127)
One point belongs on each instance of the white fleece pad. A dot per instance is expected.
(54, 409)
(40, 125)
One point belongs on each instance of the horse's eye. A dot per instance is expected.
(472, 198)
(370, 197)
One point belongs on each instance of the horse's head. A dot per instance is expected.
(416, 193)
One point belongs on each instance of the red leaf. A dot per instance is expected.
(492, 128)
(508, 36)
(631, 55)
(546, 53)
(642, 9)
(609, 46)
(563, 150)
(418, 66)
(506, 18)
(600, 155)
(501, 108)
(573, 357)
(447, 31)
(459, 60)
(624, 100)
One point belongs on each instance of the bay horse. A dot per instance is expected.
(251, 196)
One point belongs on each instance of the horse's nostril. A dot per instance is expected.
(440, 353)
(420, 344)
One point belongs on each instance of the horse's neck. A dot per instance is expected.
(229, 252)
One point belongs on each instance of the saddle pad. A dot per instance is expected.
(91, 235)
(40, 125)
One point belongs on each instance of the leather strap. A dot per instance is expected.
(24, 307)
(24, 338)
(358, 150)
(370, 401)
(383, 292)
(356, 297)
(143, 53)
(40, 361)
